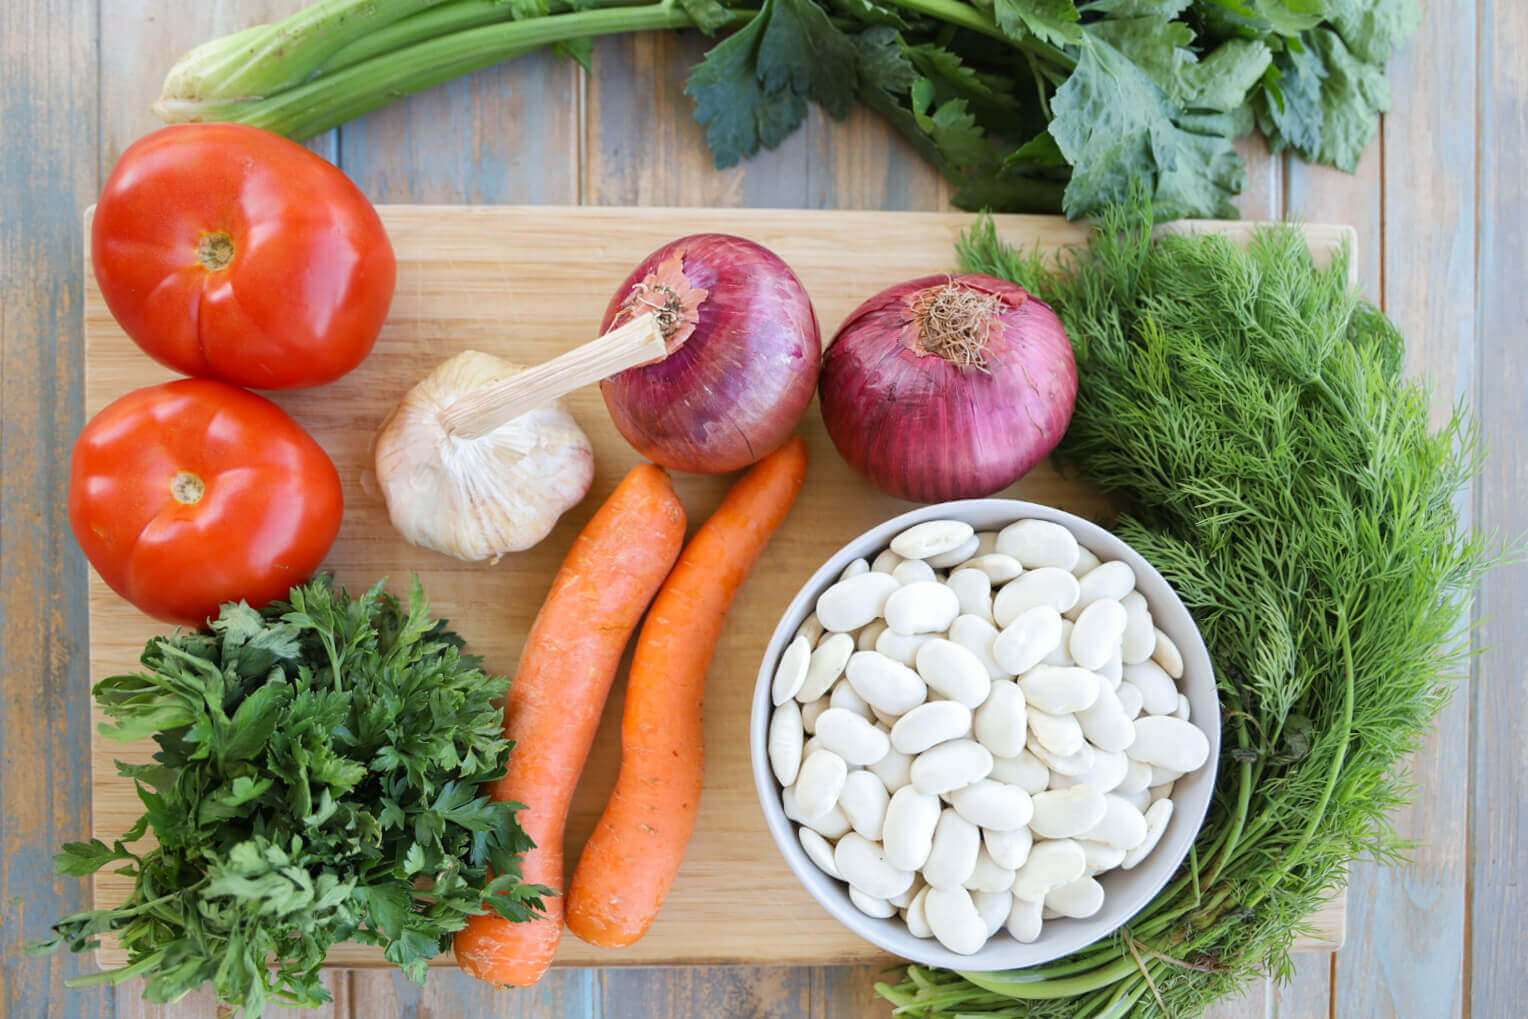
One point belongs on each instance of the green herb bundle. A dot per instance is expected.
(316, 781)
(1026, 105)
(1279, 470)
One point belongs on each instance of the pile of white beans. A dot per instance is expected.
(973, 727)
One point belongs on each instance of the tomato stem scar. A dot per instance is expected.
(214, 250)
(187, 488)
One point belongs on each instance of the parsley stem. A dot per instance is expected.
(965, 16)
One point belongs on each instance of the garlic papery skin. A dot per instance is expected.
(478, 498)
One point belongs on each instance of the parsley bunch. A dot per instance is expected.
(316, 781)
(1252, 415)
(1026, 105)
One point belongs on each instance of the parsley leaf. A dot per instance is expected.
(1331, 101)
(752, 88)
(1115, 125)
(1053, 21)
(316, 781)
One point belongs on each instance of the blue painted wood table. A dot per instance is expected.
(1442, 214)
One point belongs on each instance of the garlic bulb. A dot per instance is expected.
(478, 498)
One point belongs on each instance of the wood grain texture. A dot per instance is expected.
(462, 276)
(1410, 961)
(47, 170)
(1497, 941)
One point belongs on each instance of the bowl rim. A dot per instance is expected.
(1060, 937)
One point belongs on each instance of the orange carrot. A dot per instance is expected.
(632, 858)
(554, 704)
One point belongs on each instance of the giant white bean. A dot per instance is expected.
(854, 569)
(786, 737)
(1129, 700)
(1045, 586)
(1111, 580)
(865, 640)
(894, 770)
(976, 635)
(886, 562)
(1184, 708)
(1000, 569)
(1024, 919)
(1157, 816)
(908, 831)
(1105, 723)
(1061, 655)
(1078, 899)
(1097, 632)
(1121, 827)
(1166, 654)
(864, 865)
(811, 629)
(949, 766)
(791, 672)
(1137, 777)
(1168, 742)
(851, 604)
(995, 806)
(986, 542)
(1008, 849)
(988, 875)
(953, 671)
(911, 571)
(992, 907)
(819, 851)
(845, 697)
(929, 724)
(849, 736)
(1001, 724)
(953, 918)
(1077, 763)
(1050, 864)
(1024, 770)
(1159, 696)
(820, 781)
(1026, 641)
(955, 556)
(1059, 734)
(973, 591)
(916, 919)
(901, 647)
(825, 665)
(1100, 857)
(812, 710)
(1108, 770)
(1064, 813)
(1059, 689)
(931, 538)
(878, 909)
(1086, 563)
(952, 857)
(831, 825)
(1112, 670)
(924, 606)
(889, 685)
(1039, 543)
(863, 800)
(1139, 638)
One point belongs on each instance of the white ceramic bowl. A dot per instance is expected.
(1126, 891)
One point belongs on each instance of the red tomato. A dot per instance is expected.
(192, 493)
(230, 252)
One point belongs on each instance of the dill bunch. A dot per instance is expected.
(1251, 415)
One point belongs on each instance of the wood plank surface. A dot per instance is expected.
(1411, 961)
(1495, 978)
(500, 139)
(464, 274)
(47, 168)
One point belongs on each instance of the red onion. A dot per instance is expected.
(744, 353)
(948, 387)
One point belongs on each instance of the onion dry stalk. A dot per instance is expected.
(1279, 470)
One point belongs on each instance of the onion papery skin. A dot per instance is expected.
(733, 389)
(924, 429)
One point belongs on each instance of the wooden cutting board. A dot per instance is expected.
(528, 283)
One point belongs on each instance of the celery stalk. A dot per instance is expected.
(320, 103)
